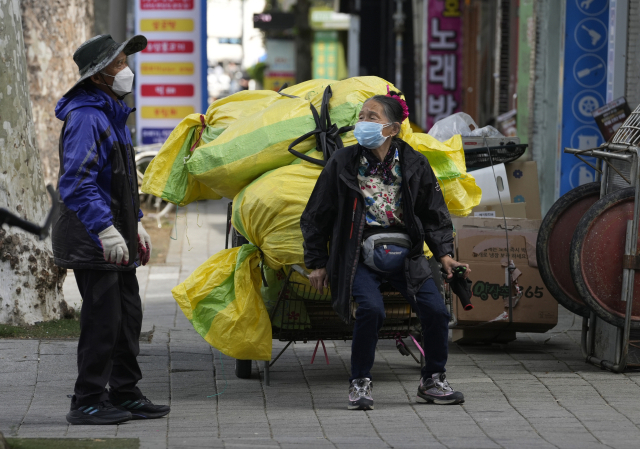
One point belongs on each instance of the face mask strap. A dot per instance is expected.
(119, 97)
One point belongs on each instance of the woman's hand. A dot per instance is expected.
(449, 263)
(319, 279)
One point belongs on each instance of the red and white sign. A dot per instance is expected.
(171, 72)
(166, 4)
(169, 47)
(167, 90)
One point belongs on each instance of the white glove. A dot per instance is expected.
(144, 241)
(114, 247)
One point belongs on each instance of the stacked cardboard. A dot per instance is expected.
(481, 241)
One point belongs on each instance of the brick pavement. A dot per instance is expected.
(536, 392)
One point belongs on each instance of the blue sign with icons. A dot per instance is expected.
(584, 87)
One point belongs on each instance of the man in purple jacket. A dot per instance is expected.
(98, 233)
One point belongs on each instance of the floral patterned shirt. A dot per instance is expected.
(383, 201)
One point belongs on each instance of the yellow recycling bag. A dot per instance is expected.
(461, 194)
(267, 212)
(222, 300)
(167, 177)
(256, 144)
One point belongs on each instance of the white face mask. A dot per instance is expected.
(122, 81)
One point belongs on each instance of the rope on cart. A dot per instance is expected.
(326, 356)
(193, 147)
(327, 134)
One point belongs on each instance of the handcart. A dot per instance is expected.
(603, 255)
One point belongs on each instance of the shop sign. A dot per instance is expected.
(281, 63)
(584, 87)
(171, 71)
(444, 59)
(611, 116)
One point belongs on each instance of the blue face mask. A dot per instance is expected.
(369, 134)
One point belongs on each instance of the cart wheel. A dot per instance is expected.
(243, 369)
(596, 256)
(554, 244)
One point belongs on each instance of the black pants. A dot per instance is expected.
(110, 324)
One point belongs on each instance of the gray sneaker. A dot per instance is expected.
(360, 394)
(437, 390)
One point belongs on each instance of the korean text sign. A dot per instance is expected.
(584, 86)
(444, 59)
(171, 71)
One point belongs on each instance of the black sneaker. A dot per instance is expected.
(143, 408)
(437, 390)
(101, 413)
(360, 394)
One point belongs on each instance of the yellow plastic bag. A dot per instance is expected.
(167, 176)
(461, 194)
(222, 300)
(258, 143)
(267, 212)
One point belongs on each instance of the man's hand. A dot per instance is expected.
(319, 279)
(114, 247)
(449, 263)
(144, 245)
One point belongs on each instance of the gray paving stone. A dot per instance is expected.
(536, 392)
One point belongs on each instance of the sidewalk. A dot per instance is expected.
(536, 392)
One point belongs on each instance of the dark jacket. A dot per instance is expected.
(97, 180)
(335, 215)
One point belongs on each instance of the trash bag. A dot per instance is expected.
(222, 300)
(167, 177)
(460, 124)
(258, 143)
(461, 194)
(267, 212)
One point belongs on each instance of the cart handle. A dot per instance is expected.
(42, 232)
(298, 269)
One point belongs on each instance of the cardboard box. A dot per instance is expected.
(511, 210)
(481, 242)
(522, 177)
(535, 311)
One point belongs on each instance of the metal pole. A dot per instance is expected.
(118, 20)
(398, 18)
(354, 45)
(267, 378)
